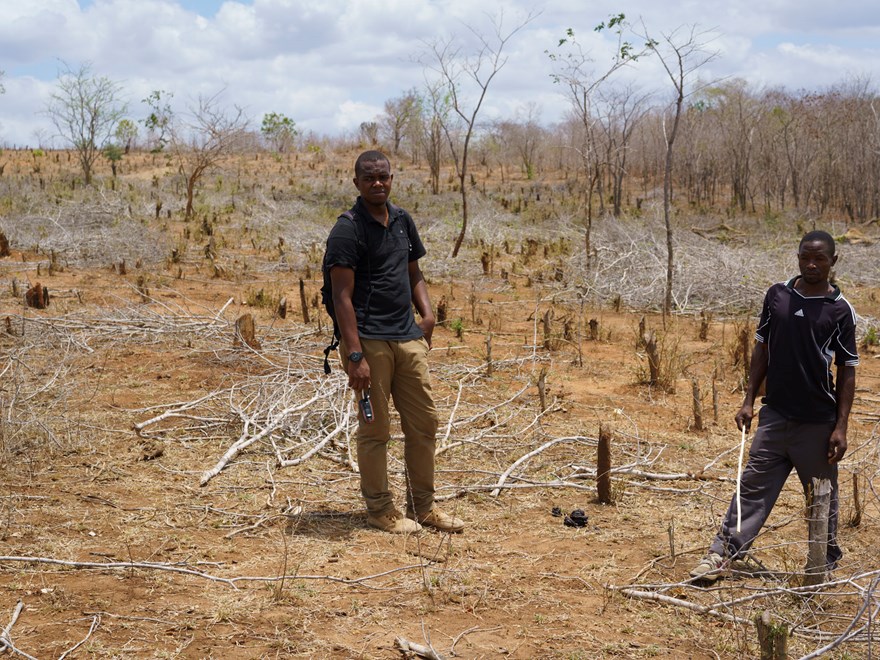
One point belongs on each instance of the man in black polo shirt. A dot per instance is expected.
(805, 324)
(372, 255)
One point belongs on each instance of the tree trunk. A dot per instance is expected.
(603, 466)
(772, 637)
(819, 508)
(464, 215)
(190, 192)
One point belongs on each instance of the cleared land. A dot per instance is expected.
(119, 396)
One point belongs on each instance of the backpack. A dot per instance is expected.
(327, 287)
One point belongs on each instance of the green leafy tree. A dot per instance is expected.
(113, 153)
(158, 121)
(126, 133)
(85, 110)
(279, 131)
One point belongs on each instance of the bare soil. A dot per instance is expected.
(266, 561)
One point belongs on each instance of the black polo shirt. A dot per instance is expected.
(380, 258)
(804, 335)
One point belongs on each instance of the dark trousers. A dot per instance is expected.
(779, 445)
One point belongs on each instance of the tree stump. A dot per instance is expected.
(650, 343)
(698, 404)
(819, 507)
(142, 289)
(542, 389)
(37, 297)
(640, 337)
(856, 518)
(716, 397)
(302, 301)
(282, 308)
(603, 466)
(743, 351)
(246, 332)
(772, 637)
(547, 322)
(489, 366)
(705, 322)
(4, 245)
(441, 310)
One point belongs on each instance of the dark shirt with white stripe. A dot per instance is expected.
(804, 336)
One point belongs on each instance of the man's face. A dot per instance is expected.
(815, 261)
(374, 181)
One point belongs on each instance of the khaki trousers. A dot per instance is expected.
(398, 369)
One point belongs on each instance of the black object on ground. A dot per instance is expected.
(576, 518)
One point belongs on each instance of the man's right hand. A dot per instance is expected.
(744, 417)
(359, 375)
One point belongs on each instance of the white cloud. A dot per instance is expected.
(331, 65)
(352, 113)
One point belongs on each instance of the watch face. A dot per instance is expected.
(356, 357)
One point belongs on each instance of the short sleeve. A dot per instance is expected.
(418, 249)
(847, 352)
(342, 245)
(762, 332)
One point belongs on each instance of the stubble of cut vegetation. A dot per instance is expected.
(167, 490)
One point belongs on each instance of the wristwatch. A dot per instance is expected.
(356, 356)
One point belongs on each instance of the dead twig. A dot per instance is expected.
(406, 647)
(232, 582)
(96, 621)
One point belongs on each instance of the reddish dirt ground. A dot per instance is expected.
(517, 583)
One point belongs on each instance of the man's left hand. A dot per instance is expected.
(836, 446)
(427, 326)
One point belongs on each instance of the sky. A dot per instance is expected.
(331, 64)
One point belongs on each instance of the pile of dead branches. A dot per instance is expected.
(90, 233)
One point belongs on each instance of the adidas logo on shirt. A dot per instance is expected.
(800, 312)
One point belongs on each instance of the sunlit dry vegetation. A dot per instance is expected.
(171, 488)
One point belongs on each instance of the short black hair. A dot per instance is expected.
(819, 235)
(369, 157)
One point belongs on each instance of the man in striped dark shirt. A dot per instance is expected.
(806, 325)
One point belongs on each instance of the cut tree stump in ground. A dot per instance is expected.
(772, 637)
(37, 296)
(603, 466)
(817, 555)
(246, 332)
(302, 302)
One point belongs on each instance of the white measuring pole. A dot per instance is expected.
(739, 471)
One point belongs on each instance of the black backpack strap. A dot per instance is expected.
(364, 243)
(332, 346)
(360, 233)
